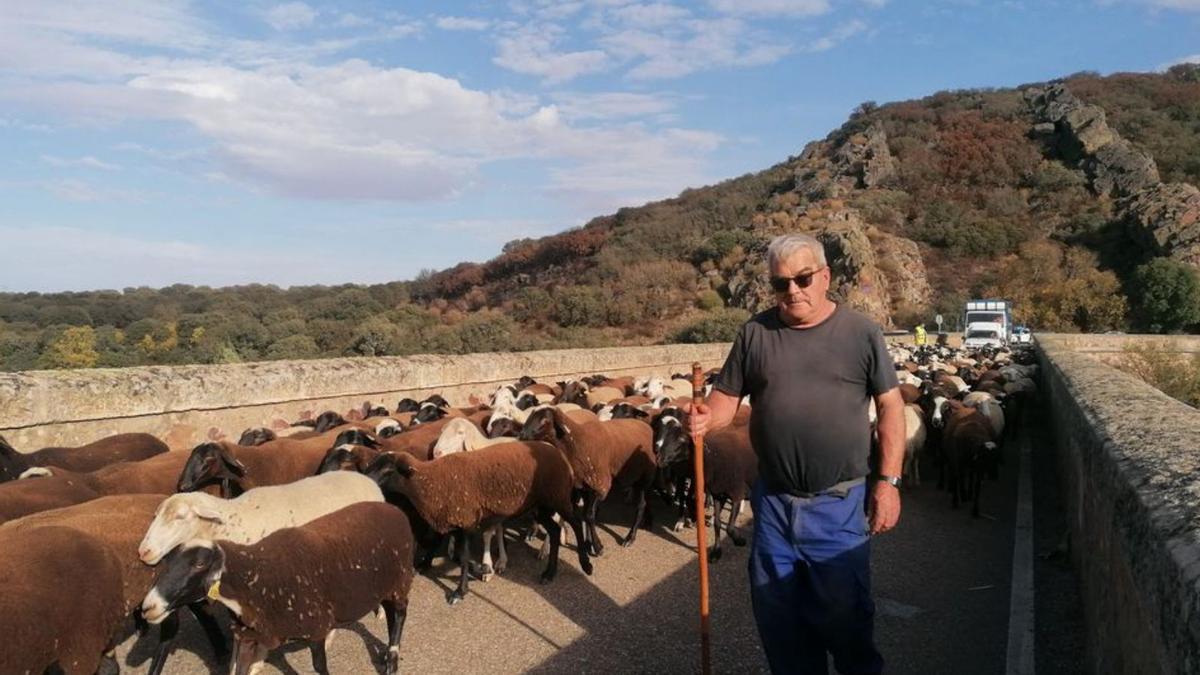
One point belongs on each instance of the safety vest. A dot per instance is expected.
(920, 340)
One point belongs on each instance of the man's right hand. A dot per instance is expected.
(698, 418)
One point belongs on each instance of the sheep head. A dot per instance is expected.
(503, 426)
(209, 463)
(12, 463)
(671, 442)
(256, 436)
(430, 411)
(328, 420)
(355, 437)
(526, 401)
(179, 518)
(389, 469)
(189, 574)
(454, 437)
(408, 405)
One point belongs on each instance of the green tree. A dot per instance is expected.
(1167, 295)
(293, 347)
(75, 348)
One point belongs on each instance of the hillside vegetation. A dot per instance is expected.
(1077, 203)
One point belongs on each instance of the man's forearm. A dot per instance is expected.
(722, 408)
(891, 440)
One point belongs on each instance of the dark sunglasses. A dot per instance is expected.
(782, 284)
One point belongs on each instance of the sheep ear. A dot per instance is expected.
(207, 513)
(355, 415)
(237, 468)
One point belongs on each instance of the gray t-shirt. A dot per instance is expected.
(809, 388)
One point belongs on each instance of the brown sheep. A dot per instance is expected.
(472, 491)
(237, 468)
(113, 521)
(44, 572)
(602, 455)
(90, 457)
(298, 583)
(969, 451)
(157, 475)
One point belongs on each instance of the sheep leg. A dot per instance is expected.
(639, 496)
(502, 561)
(319, 660)
(977, 480)
(249, 657)
(212, 630)
(396, 614)
(737, 539)
(546, 518)
(464, 562)
(486, 571)
(591, 501)
(166, 636)
(714, 551)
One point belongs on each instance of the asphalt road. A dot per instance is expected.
(941, 583)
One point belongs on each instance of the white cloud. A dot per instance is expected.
(290, 16)
(283, 118)
(531, 51)
(840, 34)
(693, 46)
(87, 162)
(461, 23)
(875, 3)
(791, 8)
(651, 15)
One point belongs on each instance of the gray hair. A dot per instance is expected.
(785, 245)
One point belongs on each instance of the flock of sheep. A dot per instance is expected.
(292, 532)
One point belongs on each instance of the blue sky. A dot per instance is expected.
(151, 142)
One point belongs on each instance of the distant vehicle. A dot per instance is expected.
(1022, 335)
(987, 316)
(984, 334)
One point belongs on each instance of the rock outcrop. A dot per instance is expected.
(861, 161)
(873, 272)
(1164, 217)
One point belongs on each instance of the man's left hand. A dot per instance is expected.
(884, 509)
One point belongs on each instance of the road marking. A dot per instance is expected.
(899, 610)
(1020, 657)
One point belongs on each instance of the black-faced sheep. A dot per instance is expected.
(970, 450)
(730, 467)
(471, 491)
(298, 583)
(603, 455)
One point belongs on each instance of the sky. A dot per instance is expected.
(154, 142)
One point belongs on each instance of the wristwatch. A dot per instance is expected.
(894, 481)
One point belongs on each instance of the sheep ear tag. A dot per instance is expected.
(214, 590)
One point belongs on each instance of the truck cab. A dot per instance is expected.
(987, 321)
(984, 334)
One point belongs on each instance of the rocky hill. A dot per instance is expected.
(919, 203)
(1076, 199)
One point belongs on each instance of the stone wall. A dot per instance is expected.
(186, 405)
(1129, 462)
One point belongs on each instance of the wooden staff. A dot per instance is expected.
(701, 529)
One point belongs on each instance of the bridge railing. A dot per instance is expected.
(1129, 463)
(181, 404)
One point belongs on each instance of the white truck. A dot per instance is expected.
(987, 323)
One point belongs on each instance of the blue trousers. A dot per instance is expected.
(810, 582)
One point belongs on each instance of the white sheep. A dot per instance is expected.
(253, 515)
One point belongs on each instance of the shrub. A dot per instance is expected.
(580, 306)
(721, 326)
(709, 300)
(1167, 295)
(1170, 373)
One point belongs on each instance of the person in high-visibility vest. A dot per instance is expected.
(920, 339)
